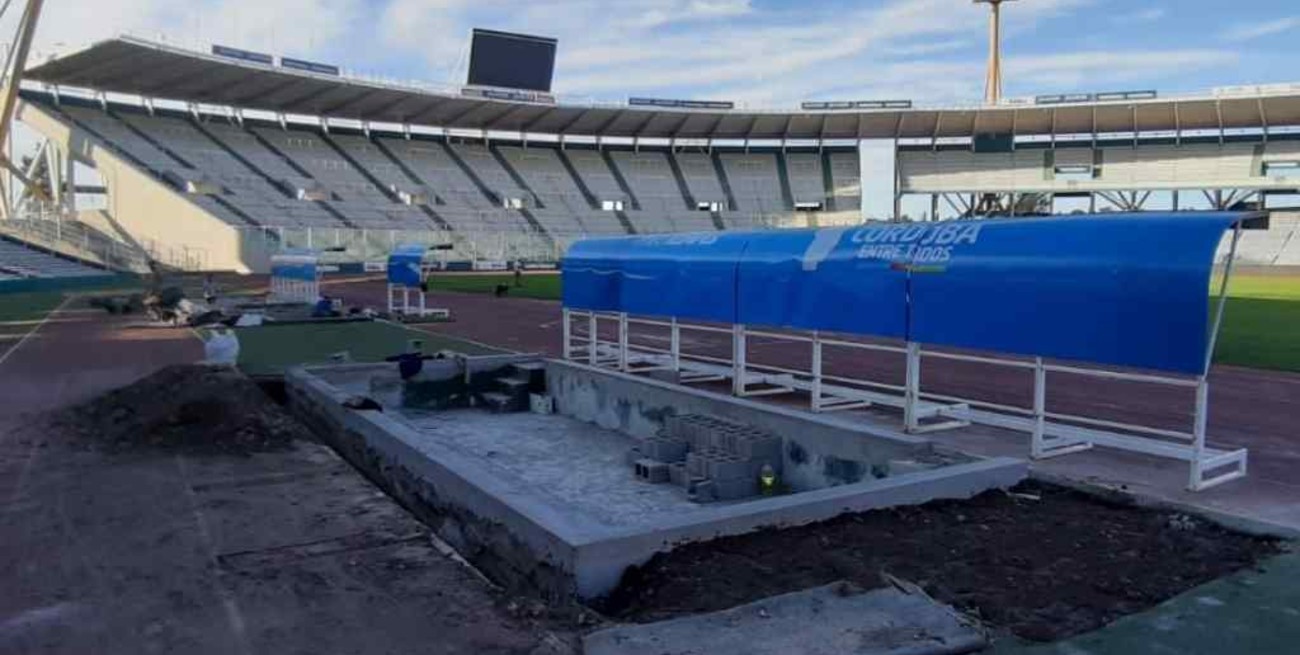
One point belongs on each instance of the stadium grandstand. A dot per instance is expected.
(19, 260)
(210, 161)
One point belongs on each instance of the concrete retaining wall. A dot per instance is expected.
(525, 541)
(820, 451)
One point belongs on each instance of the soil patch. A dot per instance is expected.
(1044, 562)
(194, 408)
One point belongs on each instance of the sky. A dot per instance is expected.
(761, 53)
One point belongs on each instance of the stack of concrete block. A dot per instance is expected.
(713, 459)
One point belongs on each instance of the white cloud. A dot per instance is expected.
(764, 53)
(1088, 70)
(1260, 29)
(684, 11)
(1141, 16)
(303, 27)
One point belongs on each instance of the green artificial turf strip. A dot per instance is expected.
(269, 350)
(543, 286)
(1261, 324)
(20, 313)
(31, 306)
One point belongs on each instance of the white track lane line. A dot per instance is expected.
(34, 330)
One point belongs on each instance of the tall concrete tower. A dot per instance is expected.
(993, 84)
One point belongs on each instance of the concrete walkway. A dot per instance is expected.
(836, 619)
(152, 551)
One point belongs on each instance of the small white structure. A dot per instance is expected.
(406, 274)
(295, 276)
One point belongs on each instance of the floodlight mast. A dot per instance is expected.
(993, 82)
(13, 76)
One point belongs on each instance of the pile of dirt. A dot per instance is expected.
(1043, 563)
(191, 408)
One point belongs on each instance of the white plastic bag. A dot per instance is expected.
(222, 347)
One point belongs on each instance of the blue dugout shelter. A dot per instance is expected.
(1124, 290)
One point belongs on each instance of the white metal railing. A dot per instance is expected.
(57, 232)
(589, 338)
(179, 257)
(354, 245)
(361, 245)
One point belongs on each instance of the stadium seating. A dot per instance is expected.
(275, 195)
(702, 179)
(1277, 246)
(807, 180)
(562, 208)
(260, 174)
(756, 183)
(18, 261)
(1186, 166)
(846, 187)
(659, 195)
(458, 199)
(348, 192)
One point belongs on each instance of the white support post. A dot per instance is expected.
(592, 338)
(1198, 433)
(567, 331)
(738, 366)
(1196, 481)
(622, 341)
(912, 397)
(816, 372)
(1040, 409)
(676, 346)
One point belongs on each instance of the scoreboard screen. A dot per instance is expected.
(511, 61)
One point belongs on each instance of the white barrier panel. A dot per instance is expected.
(293, 290)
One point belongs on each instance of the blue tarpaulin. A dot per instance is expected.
(296, 264)
(684, 275)
(1123, 289)
(405, 265)
(813, 280)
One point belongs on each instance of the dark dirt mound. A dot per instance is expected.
(192, 408)
(1043, 569)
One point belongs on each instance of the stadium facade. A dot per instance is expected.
(205, 161)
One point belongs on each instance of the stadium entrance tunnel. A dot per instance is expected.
(555, 477)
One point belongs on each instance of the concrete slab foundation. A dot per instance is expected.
(551, 503)
(833, 620)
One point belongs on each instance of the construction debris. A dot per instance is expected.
(190, 408)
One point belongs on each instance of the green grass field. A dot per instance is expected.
(269, 350)
(1261, 324)
(544, 286)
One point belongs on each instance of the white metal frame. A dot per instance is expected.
(284, 289)
(405, 308)
(1052, 434)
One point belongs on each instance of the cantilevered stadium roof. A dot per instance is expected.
(137, 67)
